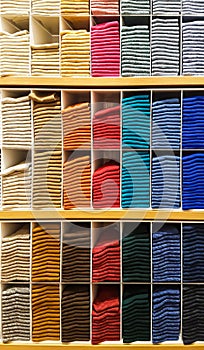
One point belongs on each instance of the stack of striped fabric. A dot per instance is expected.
(193, 181)
(136, 314)
(135, 7)
(77, 126)
(105, 49)
(76, 253)
(45, 7)
(166, 123)
(16, 182)
(15, 53)
(45, 312)
(193, 46)
(193, 310)
(75, 53)
(45, 59)
(106, 128)
(75, 319)
(47, 179)
(77, 182)
(106, 256)
(166, 181)
(46, 253)
(136, 253)
(165, 46)
(70, 7)
(15, 7)
(15, 255)
(166, 254)
(192, 122)
(136, 121)
(47, 120)
(135, 50)
(16, 122)
(192, 7)
(166, 314)
(106, 315)
(16, 314)
(104, 7)
(193, 253)
(164, 7)
(136, 180)
(106, 186)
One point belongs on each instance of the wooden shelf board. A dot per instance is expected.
(116, 214)
(78, 82)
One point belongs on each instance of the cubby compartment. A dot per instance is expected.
(106, 119)
(135, 46)
(45, 46)
(104, 7)
(15, 252)
(76, 252)
(15, 45)
(77, 179)
(132, 8)
(12, 7)
(106, 179)
(106, 251)
(76, 118)
(46, 8)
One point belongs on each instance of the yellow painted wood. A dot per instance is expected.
(129, 82)
(115, 214)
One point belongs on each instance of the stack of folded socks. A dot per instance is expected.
(193, 181)
(105, 49)
(106, 128)
(47, 120)
(104, 7)
(193, 310)
(192, 122)
(136, 253)
(75, 53)
(15, 53)
(76, 247)
(136, 314)
(45, 7)
(135, 46)
(75, 309)
(136, 121)
(70, 7)
(193, 46)
(192, 7)
(166, 181)
(45, 312)
(166, 254)
(132, 7)
(45, 59)
(164, 7)
(165, 46)
(46, 253)
(77, 182)
(106, 315)
(166, 123)
(16, 122)
(47, 179)
(193, 253)
(77, 126)
(106, 256)
(15, 310)
(166, 314)
(136, 180)
(15, 255)
(15, 7)
(16, 182)
(106, 186)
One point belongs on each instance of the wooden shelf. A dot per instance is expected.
(82, 83)
(114, 214)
